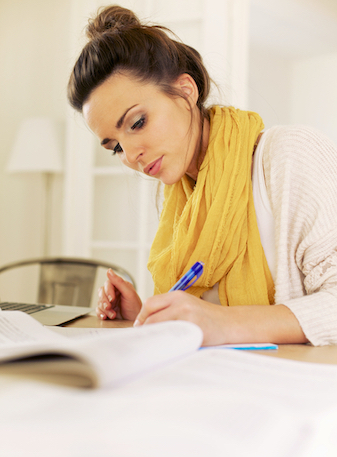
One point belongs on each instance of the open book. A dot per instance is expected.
(29, 349)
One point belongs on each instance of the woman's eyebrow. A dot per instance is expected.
(118, 125)
(121, 119)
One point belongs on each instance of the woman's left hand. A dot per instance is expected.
(180, 305)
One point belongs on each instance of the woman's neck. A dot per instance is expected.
(193, 170)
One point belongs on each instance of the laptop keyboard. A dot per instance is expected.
(26, 308)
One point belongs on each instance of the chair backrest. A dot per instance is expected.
(67, 280)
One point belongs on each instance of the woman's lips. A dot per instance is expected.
(154, 167)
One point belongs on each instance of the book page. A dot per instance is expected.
(18, 329)
(224, 404)
(83, 332)
(123, 355)
(308, 387)
(241, 403)
(110, 358)
(213, 402)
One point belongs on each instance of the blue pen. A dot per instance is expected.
(187, 280)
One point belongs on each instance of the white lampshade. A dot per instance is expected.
(36, 147)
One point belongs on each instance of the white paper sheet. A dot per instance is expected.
(216, 403)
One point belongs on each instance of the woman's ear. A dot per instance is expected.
(186, 84)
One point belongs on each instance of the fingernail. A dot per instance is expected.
(105, 306)
(111, 315)
(102, 316)
(136, 323)
(110, 298)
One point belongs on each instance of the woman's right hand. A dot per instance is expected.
(117, 299)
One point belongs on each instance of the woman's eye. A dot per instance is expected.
(139, 124)
(117, 149)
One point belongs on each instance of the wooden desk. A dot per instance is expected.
(91, 321)
(299, 352)
(304, 353)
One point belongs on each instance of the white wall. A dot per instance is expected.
(34, 38)
(270, 85)
(294, 91)
(293, 63)
(314, 93)
(33, 71)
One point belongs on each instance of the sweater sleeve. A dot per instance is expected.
(300, 167)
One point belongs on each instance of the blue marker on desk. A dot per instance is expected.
(187, 280)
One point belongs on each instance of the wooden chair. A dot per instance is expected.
(67, 280)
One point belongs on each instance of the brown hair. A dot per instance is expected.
(118, 41)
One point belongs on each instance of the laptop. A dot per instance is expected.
(48, 314)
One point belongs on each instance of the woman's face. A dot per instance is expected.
(150, 131)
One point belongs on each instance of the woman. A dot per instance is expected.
(269, 248)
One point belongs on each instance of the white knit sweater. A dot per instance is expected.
(300, 166)
(300, 171)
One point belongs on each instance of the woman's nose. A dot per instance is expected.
(132, 153)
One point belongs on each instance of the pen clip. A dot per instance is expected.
(189, 278)
(194, 278)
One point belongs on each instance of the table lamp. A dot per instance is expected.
(36, 150)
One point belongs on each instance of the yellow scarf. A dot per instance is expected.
(216, 223)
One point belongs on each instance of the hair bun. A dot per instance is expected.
(113, 19)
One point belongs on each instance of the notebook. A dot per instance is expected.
(48, 314)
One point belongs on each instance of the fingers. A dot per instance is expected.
(104, 307)
(170, 306)
(117, 283)
(114, 290)
(153, 306)
(163, 315)
(107, 301)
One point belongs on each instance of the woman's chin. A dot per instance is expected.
(169, 180)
